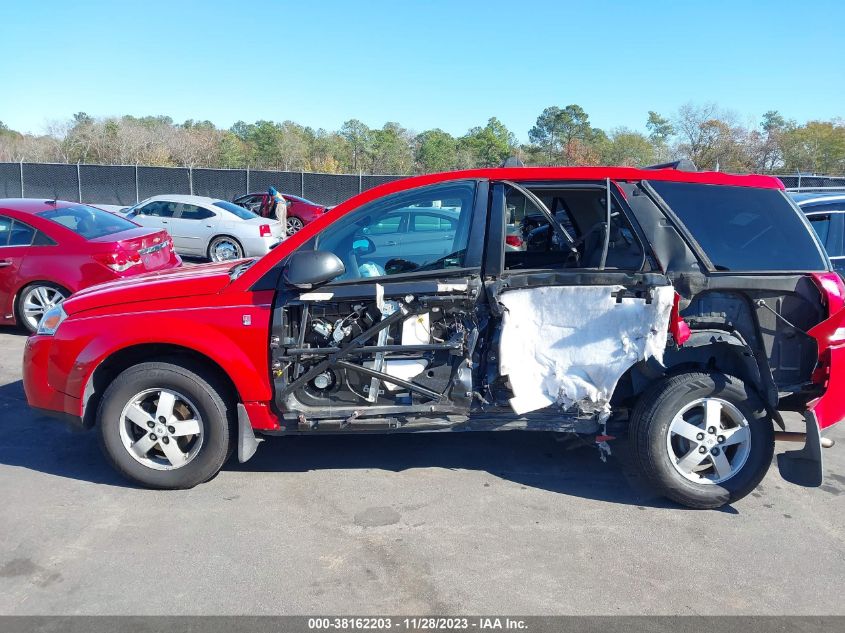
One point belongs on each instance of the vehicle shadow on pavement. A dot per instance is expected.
(43, 444)
(13, 330)
(531, 459)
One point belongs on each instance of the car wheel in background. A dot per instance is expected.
(702, 439)
(224, 248)
(34, 300)
(294, 224)
(166, 425)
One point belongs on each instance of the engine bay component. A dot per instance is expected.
(388, 354)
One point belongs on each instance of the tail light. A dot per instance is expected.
(513, 240)
(833, 291)
(120, 261)
(264, 230)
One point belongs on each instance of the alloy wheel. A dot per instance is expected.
(708, 441)
(293, 225)
(224, 249)
(161, 429)
(36, 300)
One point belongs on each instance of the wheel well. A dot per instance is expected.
(728, 358)
(121, 360)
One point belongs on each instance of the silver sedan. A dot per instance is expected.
(207, 227)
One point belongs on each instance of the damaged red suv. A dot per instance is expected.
(686, 310)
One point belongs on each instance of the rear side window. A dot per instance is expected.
(15, 233)
(234, 209)
(742, 228)
(821, 225)
(193, 212)
(88, 222)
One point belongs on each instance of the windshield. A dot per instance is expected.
(88, 222)
(234, 209)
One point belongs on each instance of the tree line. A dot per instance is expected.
(713, 138)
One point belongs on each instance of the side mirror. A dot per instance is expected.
(306, 269)
(363, 246)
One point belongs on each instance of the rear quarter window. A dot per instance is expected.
(743, 228)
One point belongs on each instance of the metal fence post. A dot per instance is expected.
(247, 178)
(21, 177)
(137, 199)
(301, 183)
(360, 182)
(78, 182)
(191, 179)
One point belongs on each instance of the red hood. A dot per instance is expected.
(186, 281)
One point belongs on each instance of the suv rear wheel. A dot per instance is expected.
(165, 425)
(702, 439)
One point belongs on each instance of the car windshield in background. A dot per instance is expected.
(88, 222)
(231, 207)
(744, 229)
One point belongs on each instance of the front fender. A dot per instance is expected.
(234, 337)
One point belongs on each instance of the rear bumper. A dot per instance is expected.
(829, 409)
(40, 394)
(259, 246)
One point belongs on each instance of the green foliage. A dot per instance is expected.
(709, 136)
(490, 145)
(659, 128)
(628, 148)
(818, 146)
(565, 135)
(436, 150)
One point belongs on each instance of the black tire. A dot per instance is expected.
(650, 423)
(20, 316)
(213, 404)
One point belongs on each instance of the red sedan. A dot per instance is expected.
(300, 211)
(50, 249)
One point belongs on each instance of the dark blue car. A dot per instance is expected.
(826, 212)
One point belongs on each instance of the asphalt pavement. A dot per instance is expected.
(503, 523)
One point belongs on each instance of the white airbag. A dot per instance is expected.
(569, 345)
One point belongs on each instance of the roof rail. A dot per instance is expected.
(811, 189)
(683, 164)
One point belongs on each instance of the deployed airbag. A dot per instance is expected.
(569, 345)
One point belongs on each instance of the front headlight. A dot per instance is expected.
(51, 320)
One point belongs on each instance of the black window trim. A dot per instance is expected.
(496, 266)
(35, 232)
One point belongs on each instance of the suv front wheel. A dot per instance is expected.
(166, 425)
(702, 439)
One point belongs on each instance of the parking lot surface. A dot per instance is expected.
(504, 523)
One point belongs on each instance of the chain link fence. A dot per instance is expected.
(125, 185)
(812, 181)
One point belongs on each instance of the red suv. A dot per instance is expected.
(51, 248)
(686, 310)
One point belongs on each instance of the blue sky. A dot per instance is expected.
(424, 64)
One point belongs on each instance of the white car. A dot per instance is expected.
(207, 227)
